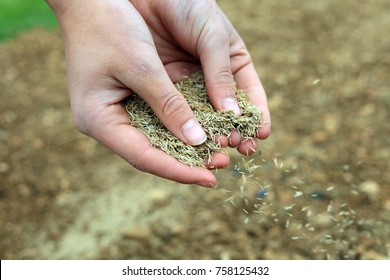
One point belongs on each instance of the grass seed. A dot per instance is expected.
(214, 122)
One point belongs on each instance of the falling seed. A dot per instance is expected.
(298, 194)
(229, 198)
(330, 188)
(275, 159)
(289, 207)
(225, 190)
(355, 192)
(232, 202)
(330, 207)
(246, 166)
(253, 168)
(317, 195)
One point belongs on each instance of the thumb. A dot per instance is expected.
(148, 78)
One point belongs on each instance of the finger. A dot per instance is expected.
(222, 141)
(234, 139)
(248, 146)
(218, 160)
(248, 80)
(178, 71)
(148, 78)
(214, 53)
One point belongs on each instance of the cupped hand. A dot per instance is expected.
(190, 34)
(110, 54)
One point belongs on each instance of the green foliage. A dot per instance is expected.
(19, 15)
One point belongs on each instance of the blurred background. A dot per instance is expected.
(19, 15)
(319, 188)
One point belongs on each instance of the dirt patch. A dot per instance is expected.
(321, 189)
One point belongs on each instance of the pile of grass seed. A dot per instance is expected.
(214, 123)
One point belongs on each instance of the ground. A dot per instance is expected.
(319, 189)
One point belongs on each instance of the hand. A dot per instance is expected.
(110, 53)
(189, 35)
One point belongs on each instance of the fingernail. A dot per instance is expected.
(231, 104)
(194, 133)
(205, 184)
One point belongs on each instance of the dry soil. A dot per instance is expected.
(321, 189)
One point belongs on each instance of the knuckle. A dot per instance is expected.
(138, 164)
(223, 37)
(224, 76)
(174, 105)
(224, 79)
(146, 67)
(219, 30)
(140, 160)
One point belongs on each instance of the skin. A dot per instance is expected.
(117, 47)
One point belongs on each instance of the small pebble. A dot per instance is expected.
(4, 167)
(386, 204)
(321, 220)
(370, 188)
(159, 197)
(137, 233)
